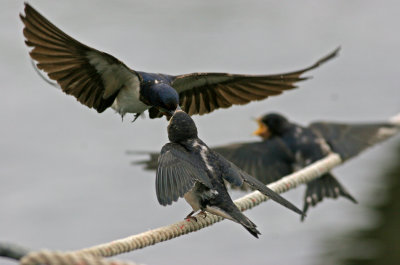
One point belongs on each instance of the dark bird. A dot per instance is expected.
(287, 147)
(99, 80)
(188, 168)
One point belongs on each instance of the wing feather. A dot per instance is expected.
(177, 173)
(232, 174)
(91, 76)
(232, 89)
(267, 161)
(348, 140)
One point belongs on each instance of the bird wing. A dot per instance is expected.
(267, 161)
(149, 164)
(348, 140)
(177, 173)
(91, 76)
(235, 175)
(202, 93)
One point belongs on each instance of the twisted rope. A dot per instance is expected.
(168, 232)
(145, 239)
(187, 226)
(63, 258)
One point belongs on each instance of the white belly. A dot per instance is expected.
(127, 100)
(193, 200)
(114, 76)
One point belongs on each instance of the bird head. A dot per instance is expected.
(271, 124)
(163, 97)
(168, 99)
(181, 127)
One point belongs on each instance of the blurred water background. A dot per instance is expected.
(67, 183)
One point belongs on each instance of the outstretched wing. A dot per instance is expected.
(202, 93)
(149, 164)
(91, 76)
(267, 161)
(235, 175)
(348, 140)
(177, 173)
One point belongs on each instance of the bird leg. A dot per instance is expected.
(190, 217)
(203, 213)
(136, 116)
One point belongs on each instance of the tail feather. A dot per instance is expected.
(258, 185)
(253, 231)
(326, 186)
(231, 212)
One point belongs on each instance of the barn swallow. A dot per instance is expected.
(286, 147)
(188, 168)
(99, 80)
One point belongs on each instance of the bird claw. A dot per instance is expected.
(189, 218)
(203, 214)
(136, 116)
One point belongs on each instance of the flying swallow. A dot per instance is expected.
(286, 147)
(99, 80)
(188, 168)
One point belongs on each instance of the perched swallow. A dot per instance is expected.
(287, 147)
(99, 80)
(188, 168)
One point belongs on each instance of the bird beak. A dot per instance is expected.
(263, 130)
(170, 113)
(178, 108)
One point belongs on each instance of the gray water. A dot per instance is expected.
(66, 181)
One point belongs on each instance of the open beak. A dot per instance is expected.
(262, 130)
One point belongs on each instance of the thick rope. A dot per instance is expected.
(180, 228)
(63, 258)
(187, 226)
(168, 232)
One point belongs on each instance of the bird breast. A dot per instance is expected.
(199, 196)
(128, 100)
(193, 199)
(203, 153)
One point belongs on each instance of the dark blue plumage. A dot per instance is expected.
(287, 146)
(188, 168)
(307, 146)
(156, 90)
(99, 80)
